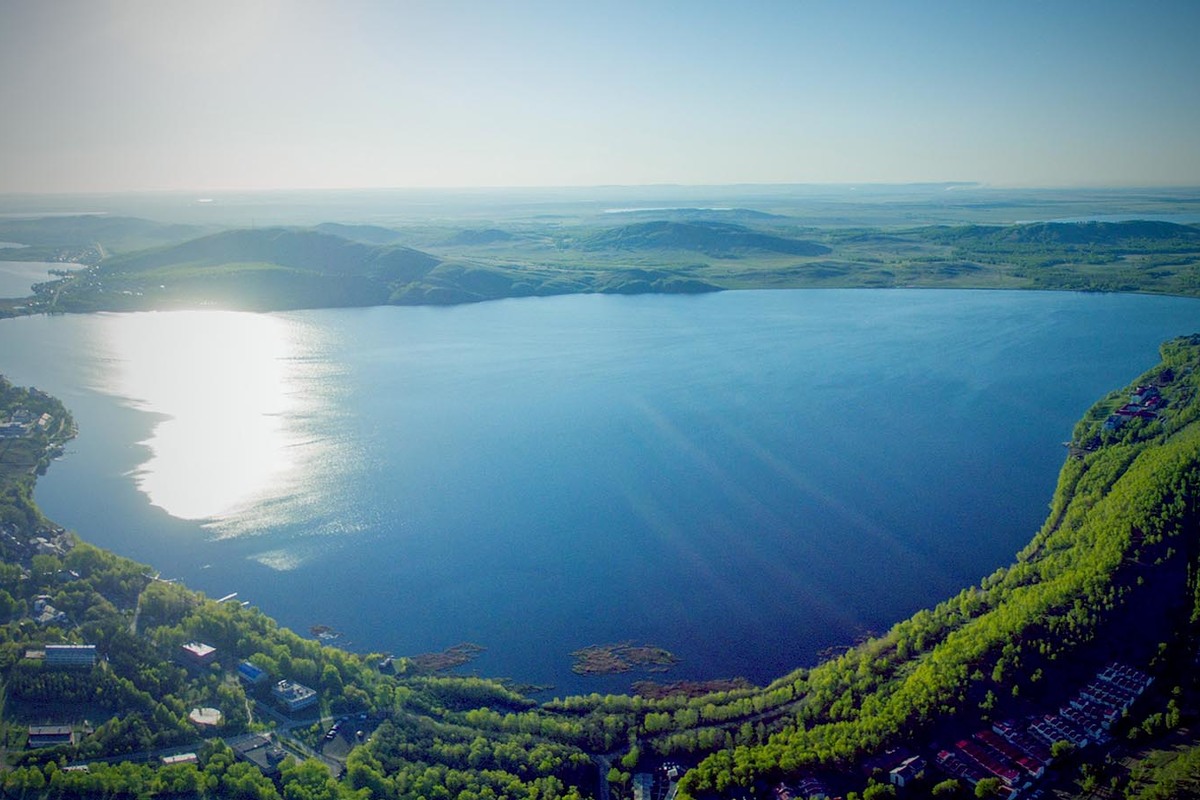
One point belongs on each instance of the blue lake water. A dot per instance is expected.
(744, 478)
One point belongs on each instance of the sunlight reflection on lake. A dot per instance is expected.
(227, 385)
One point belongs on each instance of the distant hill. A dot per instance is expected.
(112, 233)
(726, 215)
(253, 269)
(715, 239)
(479, 237)
(306, 250)
(1109, 234)
(285, 268)
(367, 234)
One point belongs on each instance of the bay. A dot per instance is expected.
(744, 478)
(18, 277)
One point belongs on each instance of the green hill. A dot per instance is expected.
(715, 239)
(255, 269)
(304, 250)
(1096, 234)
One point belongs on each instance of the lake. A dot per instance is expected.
(744, 478)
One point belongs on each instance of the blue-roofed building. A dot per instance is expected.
(251, 674)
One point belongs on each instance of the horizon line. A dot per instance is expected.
(847, 185)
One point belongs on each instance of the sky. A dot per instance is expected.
(115, 95)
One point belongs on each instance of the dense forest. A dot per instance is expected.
(1111, 576)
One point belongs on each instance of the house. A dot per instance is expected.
(251, 674)
(1144, 394)
(293, 696)
(50, 735)
(958, 766)
(810, 788)
(906, 772)
(885, 762)
(1031, 766)
(65, 656)
(990, 760)
(198, 653)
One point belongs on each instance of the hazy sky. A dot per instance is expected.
(103, 95)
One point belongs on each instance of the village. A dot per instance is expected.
(22, 422)
(1144, 403)
(286, 704)
(1011, 754)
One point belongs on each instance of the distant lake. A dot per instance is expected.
(1178, 219)
(744, 478)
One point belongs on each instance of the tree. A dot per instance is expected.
(1061, 748)
(988, 787)
(309, 780)
(875, 791)
(947, 788)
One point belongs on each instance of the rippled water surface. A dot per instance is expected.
(744, 478)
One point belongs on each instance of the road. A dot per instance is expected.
(603, 764)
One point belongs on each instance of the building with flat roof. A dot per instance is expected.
(198, 653)
(70, 655)
(260, 751)
(294, 696)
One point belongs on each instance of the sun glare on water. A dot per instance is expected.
(225, 384)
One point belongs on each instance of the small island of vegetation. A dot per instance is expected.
(613, 659)
(448, 659)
